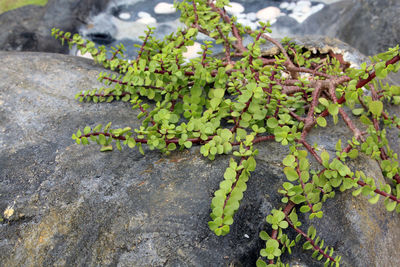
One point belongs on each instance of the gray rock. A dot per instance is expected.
(29, 28)
(75, 206)
(368, 25)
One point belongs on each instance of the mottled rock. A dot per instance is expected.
(29, 28)
(69, 205)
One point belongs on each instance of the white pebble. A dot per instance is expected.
(192, 51)
(244, 22)
(302, 7)
(246, 235)
(234, 8)
(164, 8)
(148, 20)
(86, 55)
(284, 5)
(124, 16)
(268, 14)
(248, 23)
(143, 14)
(291, 6)
(241, 15)
(303, 3)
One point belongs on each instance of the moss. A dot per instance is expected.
(7, 5)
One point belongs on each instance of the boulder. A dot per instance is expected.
(368, 25)
(69, 205)
(29, 28)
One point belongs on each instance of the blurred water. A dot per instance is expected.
(125, 20)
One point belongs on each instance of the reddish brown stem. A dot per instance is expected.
(239, 43)
(315, 246)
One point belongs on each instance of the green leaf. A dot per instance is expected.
(333, 109)
(230, 174)
(188, 144)
(358, 111)
(131, 142)
(390, 205)
(241, 133)
(219, 93)
(323, 101)
(118, 145)
(85, 141)
(291, 174)
(261, 263)
(102, 139)
(353, 153)
(272, 243)
(264, 236)
(365, 120)
(106, 148)
(283, 224)
(325, 158)
(191, 32)
(272, 122)
(97, 128)
(251, 164)
(321, 121)
(305, 208)
(171, 146)
(293, 217)
(297, 199)
(375, 107)
(86, 130)
(338, 145)
(226, 134)
(289, 161)
(307, 245)
(374, 199)
(107, 127)
(215, 103)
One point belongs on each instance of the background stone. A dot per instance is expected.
(372, 26)
(29, 28)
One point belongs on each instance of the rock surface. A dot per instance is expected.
(29, 28)
(368, 25)
(70, 205)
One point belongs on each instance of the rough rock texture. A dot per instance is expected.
(74, 206)
(29, 28)
(372, 26)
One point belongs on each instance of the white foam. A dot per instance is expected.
(164, 8)
(284, 5)
(147, 20)
(124, 16)
(143, 14)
